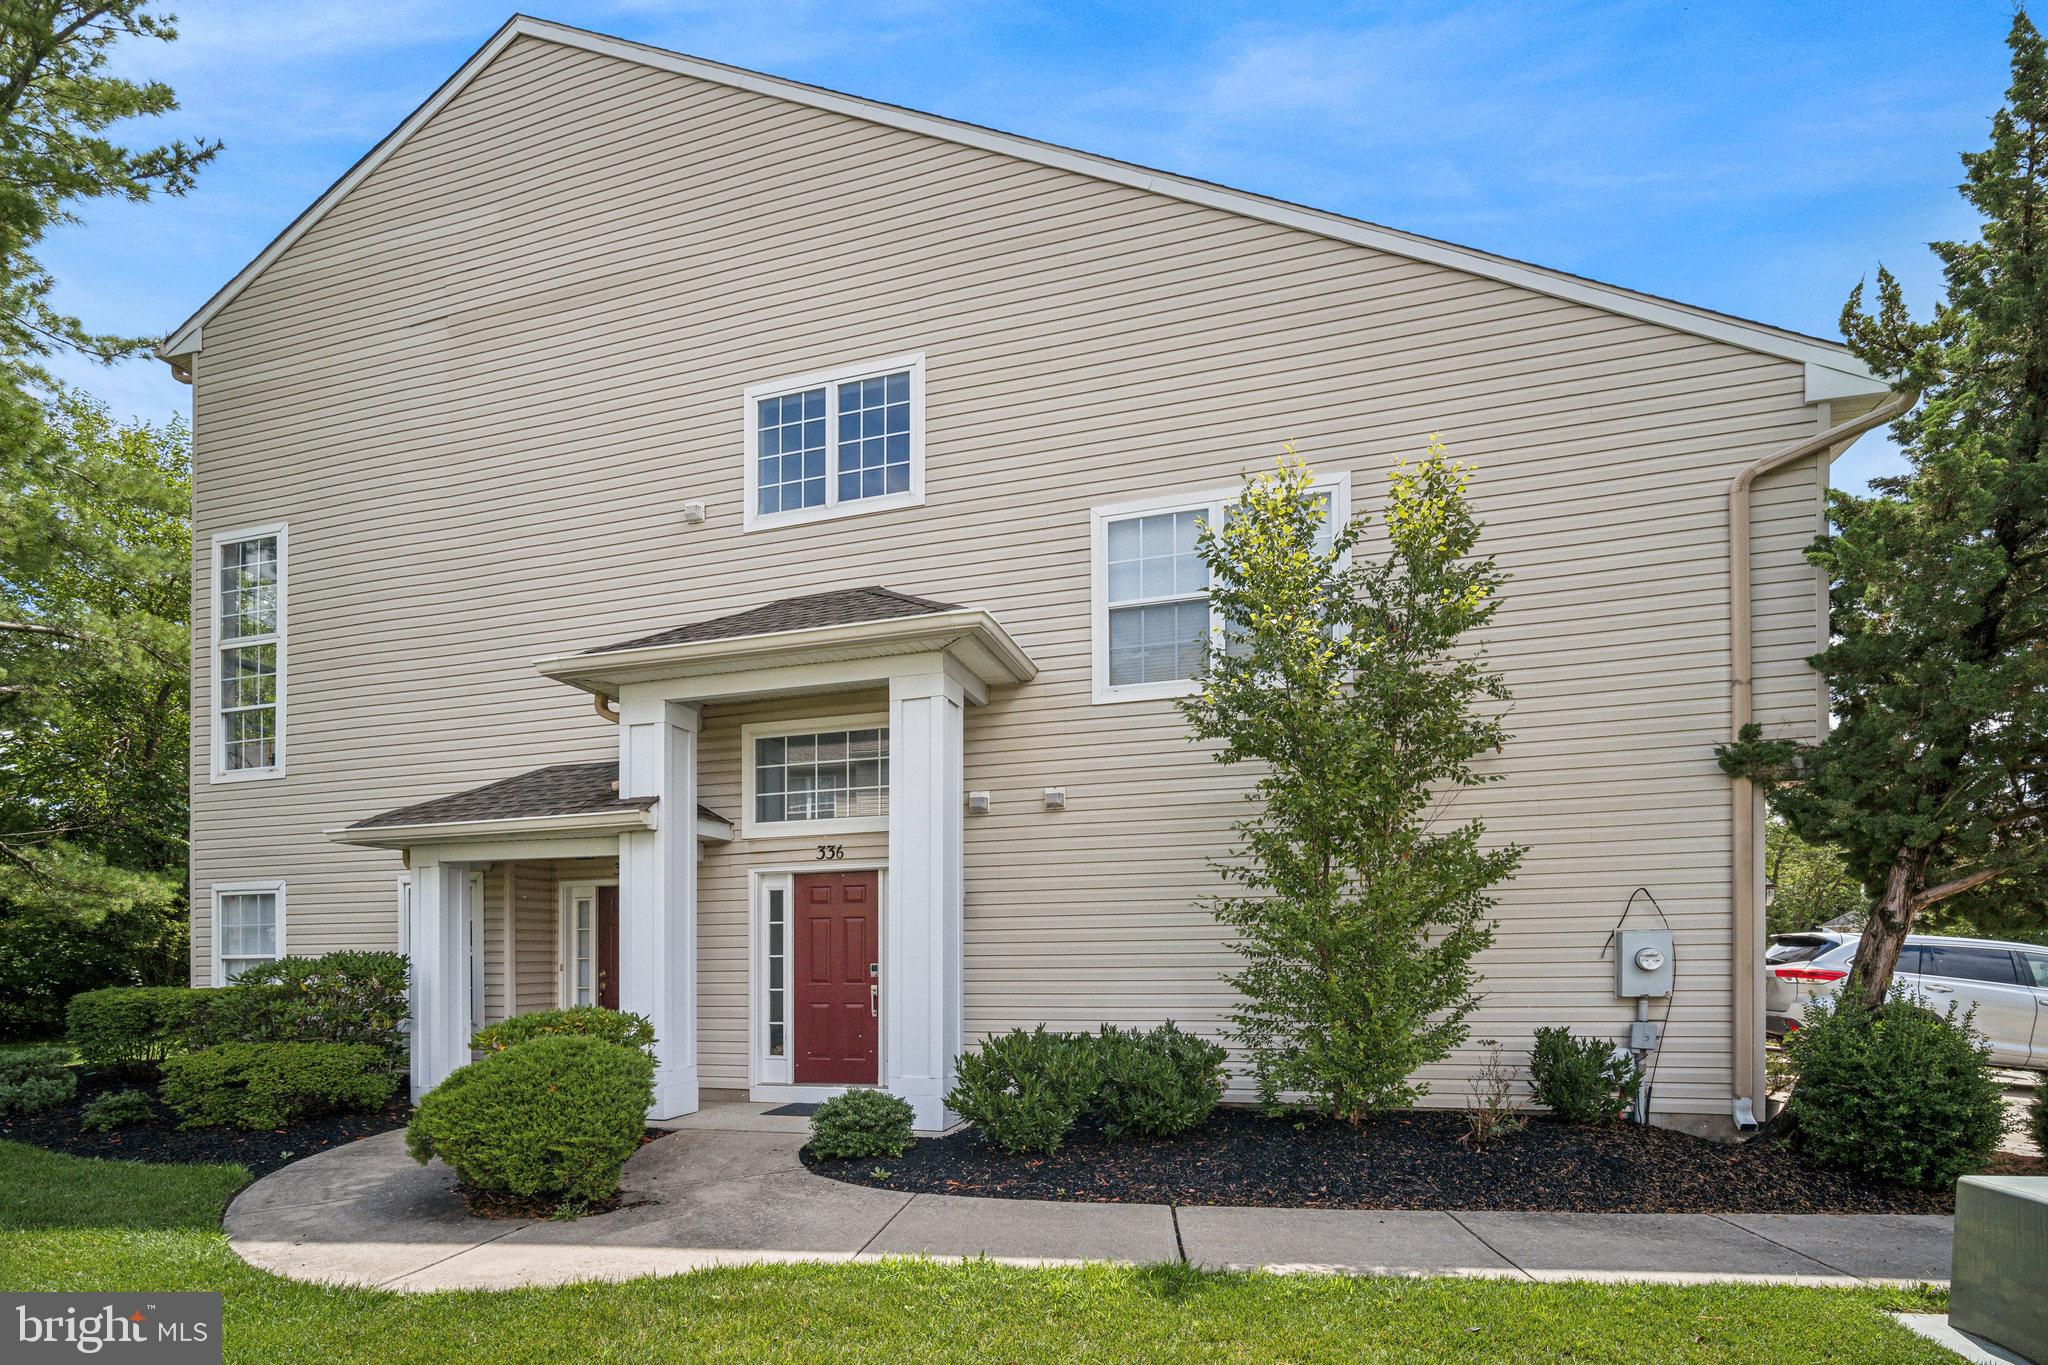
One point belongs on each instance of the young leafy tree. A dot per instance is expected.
(1356, 686)
(1809, 886)
(1934, 780)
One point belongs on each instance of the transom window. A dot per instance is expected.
(1153, 621)
(816, 777)
(841, 441)
(248, 929)
(249, 607)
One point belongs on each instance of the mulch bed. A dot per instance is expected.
(162, 1140)
(1409, 1160)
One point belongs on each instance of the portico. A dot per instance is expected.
(929, 660)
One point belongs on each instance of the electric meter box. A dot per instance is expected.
(1646, 962)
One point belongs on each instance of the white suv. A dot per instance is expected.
(2005, 983)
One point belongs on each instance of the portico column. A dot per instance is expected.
(921, 923)
(439, 962)
(658, 893)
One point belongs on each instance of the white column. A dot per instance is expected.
(441, 1024)
(658, 894)
(921, 923)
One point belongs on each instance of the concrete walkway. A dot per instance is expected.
(727, 1189)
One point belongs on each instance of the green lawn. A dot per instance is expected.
(67, 1223)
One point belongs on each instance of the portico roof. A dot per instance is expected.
(821, 628)
(563, 798)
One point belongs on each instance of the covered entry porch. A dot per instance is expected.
(819, 742)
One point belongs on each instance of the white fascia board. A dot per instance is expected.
(1739, 332)
(1829, 383)
(478, 831)
(974, 637)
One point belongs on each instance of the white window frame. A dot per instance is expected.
(261, 888)
(1211, 503)
(751, 828)
(280, 531)
(752, 517)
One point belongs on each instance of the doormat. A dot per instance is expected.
(793, 1111)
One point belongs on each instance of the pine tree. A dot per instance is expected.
(1934, 780)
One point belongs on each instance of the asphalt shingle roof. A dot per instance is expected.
(560, 789)
(845, 606)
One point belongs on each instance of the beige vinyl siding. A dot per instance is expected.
(481, 387)
(536, 906)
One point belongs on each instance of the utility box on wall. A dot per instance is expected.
(1645, 962)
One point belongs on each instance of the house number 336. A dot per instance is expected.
(827, 852)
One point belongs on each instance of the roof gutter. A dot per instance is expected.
(1745, 799)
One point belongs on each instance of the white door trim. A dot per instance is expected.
(770, 1079)
(565, 986)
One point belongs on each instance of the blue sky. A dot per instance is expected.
(1757, 158)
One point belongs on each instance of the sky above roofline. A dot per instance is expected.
(1756, 159)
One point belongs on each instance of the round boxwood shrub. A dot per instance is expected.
(1898, 1093)
(269, 1085)
(589, 1021)
(1155, 1084)
(1582, 1080)
(116, 1109)
(33, 1079)
(861, 1124)
(1024, 1091)
(554, 1118)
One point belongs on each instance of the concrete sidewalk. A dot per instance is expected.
(727, 1189)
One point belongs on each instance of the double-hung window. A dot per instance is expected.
(835, 443)
(1154, 625)
(248, 928)
(248, 654)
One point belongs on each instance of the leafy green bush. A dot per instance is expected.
(116, 1109)
(268, 1085)
(33, 1079)
(132, 1028)
(2037, 1117)
(589, 1021)
(339, 998)
(861, 1124)
(47, 958)
(1897, 1093)
(1024, 1091)
(1582, 1080)
(552, 1118)
(1155, 1084)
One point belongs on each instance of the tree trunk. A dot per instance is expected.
(1877, 956)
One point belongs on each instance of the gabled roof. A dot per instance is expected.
(843, 607)
(1831, 371)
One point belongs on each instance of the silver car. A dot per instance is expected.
(2005, 983)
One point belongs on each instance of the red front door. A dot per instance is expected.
(836, 962)
(608, 947)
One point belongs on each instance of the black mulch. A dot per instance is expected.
(162, 1140)
(1411, 1160)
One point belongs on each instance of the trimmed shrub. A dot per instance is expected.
(1898, 1093)
(116, 1109)
(588, 1021)
(33, 1079)
(1582, 1080)
(2037, 1117)
(338, 998)
(269, 1085)
(131, 1028)
(553, 1118)
(861, 1124)
(1155, 1084)
(1024, 1091)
